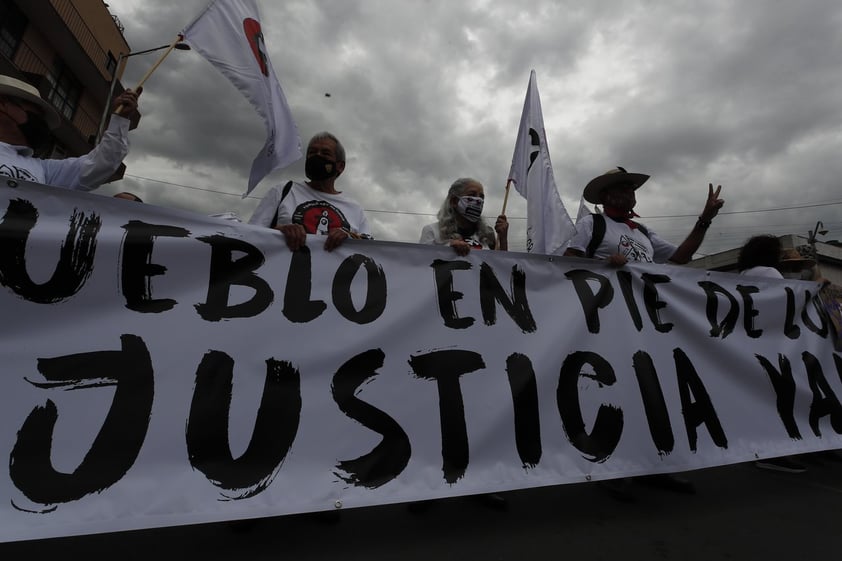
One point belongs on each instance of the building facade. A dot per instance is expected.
(69, 50)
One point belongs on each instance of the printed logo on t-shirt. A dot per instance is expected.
(633, 250)
(17, 173)
(319, 217)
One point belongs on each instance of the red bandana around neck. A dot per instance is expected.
(618, 215)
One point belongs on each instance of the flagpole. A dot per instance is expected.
(146, 76)
(178, 40)
(506, 197)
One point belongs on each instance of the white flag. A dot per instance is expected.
(548, 226)
(583, 210)
(229, 35)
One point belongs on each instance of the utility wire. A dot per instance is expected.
(776, 209)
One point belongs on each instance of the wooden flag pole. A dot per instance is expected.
(146, 76)
(506, 197)
(178, 40)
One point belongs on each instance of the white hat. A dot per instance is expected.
(17, 88)
(612, 177)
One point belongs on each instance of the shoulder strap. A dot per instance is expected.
(284, 194)
(643, 229)
(597, 235)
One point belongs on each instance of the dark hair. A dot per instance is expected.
(760, 251)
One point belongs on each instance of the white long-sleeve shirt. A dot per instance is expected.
(84, 172)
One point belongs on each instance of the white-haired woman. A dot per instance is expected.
(460, 223)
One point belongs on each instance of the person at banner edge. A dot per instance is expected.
(25, 124)
(624, 239)
(315, 206)
(760, 257)
(763, 256)
(793, 265)
(460, 224)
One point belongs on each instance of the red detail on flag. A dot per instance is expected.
(254, 35)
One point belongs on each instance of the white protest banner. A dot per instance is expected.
(163, 368)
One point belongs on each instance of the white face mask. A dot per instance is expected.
(470, 207)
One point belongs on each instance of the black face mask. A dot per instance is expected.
(319, 168)
(36, 131)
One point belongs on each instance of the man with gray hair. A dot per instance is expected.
(25, 124)
(315, 206)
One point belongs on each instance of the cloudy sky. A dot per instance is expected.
(744, 94)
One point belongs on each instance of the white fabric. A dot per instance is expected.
(548, 225)
(582, 213)
(762, 272)
(546, 383)
(584, 210)
(620, 238)
(318, 212)
(229, 35)
(227, 215)
(431, 234)
(84, 172)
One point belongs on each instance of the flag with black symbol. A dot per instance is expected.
(548, 225)
(230, 36)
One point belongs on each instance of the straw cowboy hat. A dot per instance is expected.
(612, 177)
(17, 88)
(793, 260)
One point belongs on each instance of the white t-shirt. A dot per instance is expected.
(622, 239)
(431, 234)
(84, 173)
(318, 212)
(762, 272)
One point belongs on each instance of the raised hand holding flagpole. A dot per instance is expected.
(501, 226)
(506, 196)
(137, 88)
(149, 72)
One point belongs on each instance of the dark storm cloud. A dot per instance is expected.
(743, 94)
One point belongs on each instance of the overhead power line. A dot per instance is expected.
(404, 212)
